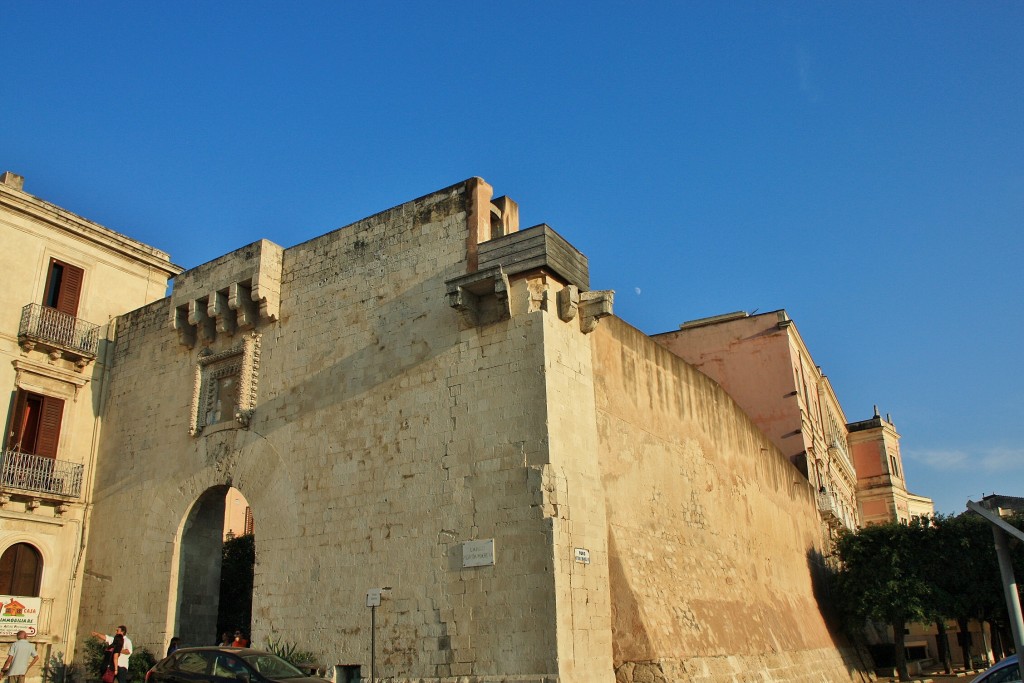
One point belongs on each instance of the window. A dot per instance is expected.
(894, 468)
(63, 287)
(35, 427)
(21, 568)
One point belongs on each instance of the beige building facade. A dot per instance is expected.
(763, 363)
(64, 279)
(434, 406)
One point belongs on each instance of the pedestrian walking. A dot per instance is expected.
(119, 659)
(18, 659)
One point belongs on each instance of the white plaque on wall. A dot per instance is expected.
(478, 553)
(582, 555)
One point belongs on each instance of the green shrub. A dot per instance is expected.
(141, 661)
(92, 658)
(289, 651)
(56, 671)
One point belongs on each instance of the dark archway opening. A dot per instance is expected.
(215, 575)
(235, 606)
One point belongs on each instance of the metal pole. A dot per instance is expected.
(373, 644)
(1012, 597)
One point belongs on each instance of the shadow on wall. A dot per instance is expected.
(629, 630)
(855, 655)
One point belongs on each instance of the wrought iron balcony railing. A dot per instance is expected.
(40, 475)
(833, 511)
(44, 325)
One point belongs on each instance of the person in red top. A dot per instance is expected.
(239, 640)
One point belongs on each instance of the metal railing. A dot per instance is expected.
(830, 507)
(48, 325)
(39, 474)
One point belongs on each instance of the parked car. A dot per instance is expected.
(225, 665)
(1005, 671)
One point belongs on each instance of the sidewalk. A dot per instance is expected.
(936, 677)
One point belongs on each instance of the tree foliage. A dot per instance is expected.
(939, 569)
(883, 578)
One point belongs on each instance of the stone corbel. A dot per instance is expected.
(222, 313)
(568, 302)
(469, 295)
(186, 331)
(593, 306)
(4, 499)
(241, 301)
(198, 315)
(32, 504)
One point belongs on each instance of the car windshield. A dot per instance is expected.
(272, 666)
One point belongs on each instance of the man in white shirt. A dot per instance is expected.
(18, 664)
(122, 660)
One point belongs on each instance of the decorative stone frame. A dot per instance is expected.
(242, 360)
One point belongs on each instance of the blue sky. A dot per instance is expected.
(860, 164)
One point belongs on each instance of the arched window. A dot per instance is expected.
(21, 568)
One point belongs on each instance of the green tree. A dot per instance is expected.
(235, 608)
(882, 578)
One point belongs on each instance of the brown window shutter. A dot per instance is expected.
(18, 421)
(49, 426)
(70, 289)
(21, 568)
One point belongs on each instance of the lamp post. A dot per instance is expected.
(1001, 531)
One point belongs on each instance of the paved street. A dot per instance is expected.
(936, 678)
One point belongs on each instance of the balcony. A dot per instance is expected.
(39, 476)
(833, 513)
(60, 333)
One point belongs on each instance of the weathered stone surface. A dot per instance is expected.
(386, 432)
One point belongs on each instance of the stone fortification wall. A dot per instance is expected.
(384, 434)
(712, 532)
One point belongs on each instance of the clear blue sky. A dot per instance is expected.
(860, 164)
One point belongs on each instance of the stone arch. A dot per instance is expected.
(257, 469)
(196, 583)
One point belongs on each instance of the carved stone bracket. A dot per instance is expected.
(595, 305)
(481, 297)
(232, 294)
(589, 306)
(568, 302)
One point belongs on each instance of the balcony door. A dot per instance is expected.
(63, 287)
(36, 425)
